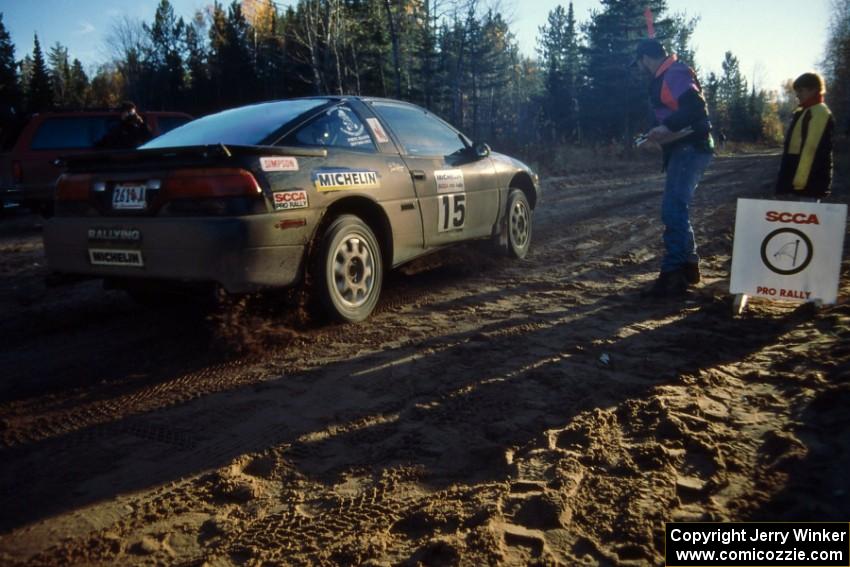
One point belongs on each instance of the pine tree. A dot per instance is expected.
(614, 100)
(683, 31)
(197, 66)
(732, 97)
(164, 56)
(10, 96)
(78, 86)
(231, 62)
(60, 73)
(40, 93)
(559, 49)
(837, 65)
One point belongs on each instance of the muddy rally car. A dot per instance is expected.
(342, 188)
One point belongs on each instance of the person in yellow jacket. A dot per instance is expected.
(806, 169)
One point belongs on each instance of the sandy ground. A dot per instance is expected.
(491, 412)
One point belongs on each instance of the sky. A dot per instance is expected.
(774, 40)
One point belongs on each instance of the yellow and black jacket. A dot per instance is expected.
(806, 168)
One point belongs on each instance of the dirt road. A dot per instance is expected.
(489, 413)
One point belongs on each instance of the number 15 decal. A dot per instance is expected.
(452, 212)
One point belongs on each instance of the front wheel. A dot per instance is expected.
(349, 270)
(518, 224)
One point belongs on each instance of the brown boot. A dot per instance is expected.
(691, 272)
(668, 284)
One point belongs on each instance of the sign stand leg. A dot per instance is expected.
(739, 304)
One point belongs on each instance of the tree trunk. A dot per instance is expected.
(394, 37)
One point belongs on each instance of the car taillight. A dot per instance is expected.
(200, 183)
(17, 172)
(73, 187)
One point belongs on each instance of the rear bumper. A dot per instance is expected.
(27, 194)
(241, 254)
(10, 194)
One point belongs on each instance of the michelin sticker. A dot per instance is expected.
(278, 164)
(345, 179)
(449, 181)
(288, 200)
(378, 130)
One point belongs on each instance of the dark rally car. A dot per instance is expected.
(255, 197)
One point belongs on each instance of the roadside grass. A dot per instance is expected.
(571, 159)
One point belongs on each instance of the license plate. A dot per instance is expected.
(114, 257)
(129, 197)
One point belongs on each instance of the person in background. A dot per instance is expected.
(684, 132)
(130, 132)
(722, 139)
(806, 169)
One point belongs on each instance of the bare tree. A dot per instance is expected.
(125, 45)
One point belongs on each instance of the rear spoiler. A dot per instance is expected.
(188, 153)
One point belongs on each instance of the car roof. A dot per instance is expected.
(341, 98)
(105, 112)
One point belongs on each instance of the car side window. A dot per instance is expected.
(421, 133)
(337, 127)
(71, 133)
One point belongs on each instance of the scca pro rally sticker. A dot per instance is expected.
(345, 179)
(449, 181)
(278, 163)
(287, 200)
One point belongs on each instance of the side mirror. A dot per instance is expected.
(481, 150)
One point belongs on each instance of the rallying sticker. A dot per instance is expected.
(449, 180)
(128, 234)
(344, 179)
(287, 200)
(378, 130)
(279, 164)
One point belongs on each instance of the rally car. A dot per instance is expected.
(257, 197)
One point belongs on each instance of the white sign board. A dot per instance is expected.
(788, 251)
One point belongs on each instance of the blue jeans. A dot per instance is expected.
(684, 170)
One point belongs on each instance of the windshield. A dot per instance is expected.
(244, 126)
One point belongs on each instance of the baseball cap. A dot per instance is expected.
(649, 47)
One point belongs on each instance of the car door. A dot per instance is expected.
(361, 163)
(458, 192)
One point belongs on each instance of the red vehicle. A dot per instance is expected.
(28, 166)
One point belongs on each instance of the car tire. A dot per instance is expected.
(349, 270)
(518, 224)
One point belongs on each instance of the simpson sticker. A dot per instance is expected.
(378, 130)
(449, 180)
(341, 180)
(278, 164)
(287, 200)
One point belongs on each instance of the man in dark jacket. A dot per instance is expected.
(130, 132)
(684, 132)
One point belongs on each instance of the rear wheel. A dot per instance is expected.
(349, 270)
(518, 224)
